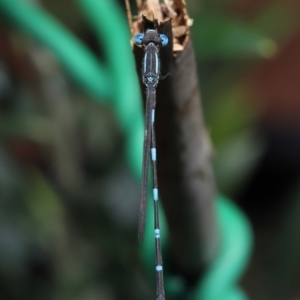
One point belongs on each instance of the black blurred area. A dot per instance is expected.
(276, 176)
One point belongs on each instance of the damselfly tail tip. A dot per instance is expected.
(160, 297)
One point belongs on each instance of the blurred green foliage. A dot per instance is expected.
(228, 46)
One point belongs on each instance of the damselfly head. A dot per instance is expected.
(151, 36)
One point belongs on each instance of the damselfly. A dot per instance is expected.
(151, 41)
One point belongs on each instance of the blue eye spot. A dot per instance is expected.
(164, 40)
(139, 38)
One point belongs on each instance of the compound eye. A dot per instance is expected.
(139, 38)
(164, 40)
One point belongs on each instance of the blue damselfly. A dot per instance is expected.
(151, 41)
